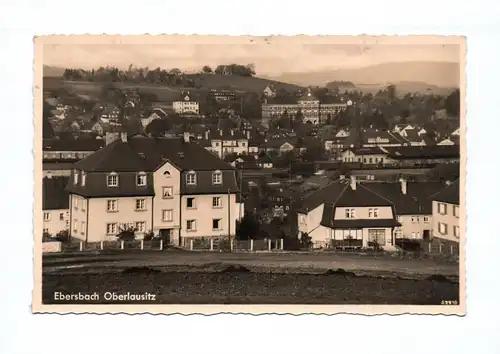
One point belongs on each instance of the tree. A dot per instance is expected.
(248, 227)
(126, 233)
(158, 127)
(305, 240)
(206, 69)
(391, 90)
(452, 103)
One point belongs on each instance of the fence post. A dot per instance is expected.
(142, 245)
(440, 247)
(251, 245)
(269, 246)
(81, 246)
(451, 249)
(281, 244)
(122, 244)
(191, 244)
(102, 245)
(211, 244)
(161, 245)
(232, 244)
(430, 247)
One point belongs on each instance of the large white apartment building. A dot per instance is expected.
(186, 105)
(170, 186)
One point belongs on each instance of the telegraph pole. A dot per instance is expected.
(229, 216)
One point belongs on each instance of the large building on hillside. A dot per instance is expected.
(170, 186)
(186, 105)
(312, 109)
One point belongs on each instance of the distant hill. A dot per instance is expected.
(52, 71)
(439, 74)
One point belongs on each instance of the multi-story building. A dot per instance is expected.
(186, 105)
(55, 205)
(446, 213)
(170, 186)
(227, 142)
(347, 213)
(312, 109)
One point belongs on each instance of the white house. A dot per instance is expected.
(446, 213)
(186, 105)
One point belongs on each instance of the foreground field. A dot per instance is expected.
(251, 288)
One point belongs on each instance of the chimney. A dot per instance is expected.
(353, 182)
(207, 134)
(123, 137)
(403, 185)
(248, 134)
(232, 131)
(186, 137)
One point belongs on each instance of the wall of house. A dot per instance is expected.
(203, 213)
(448, 219)
(185, 107)
(78, 214)
(311, 221)
(167, 176)
(384, 212)
(58, 221)
(413, 226)
(99, 217)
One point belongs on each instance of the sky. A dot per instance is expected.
(270, 59)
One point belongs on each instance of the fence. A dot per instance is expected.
(224, 244)
(112, 245)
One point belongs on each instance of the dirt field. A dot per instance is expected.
(203, 277)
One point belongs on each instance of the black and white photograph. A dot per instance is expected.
(250, 171)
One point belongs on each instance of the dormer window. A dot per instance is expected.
(217, 177)
(112, 180)
(191, 178)
(75, 177)
(167, 174)
(84, 178)
(141, 179)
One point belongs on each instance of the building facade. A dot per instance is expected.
(186, 105)
(446, 213)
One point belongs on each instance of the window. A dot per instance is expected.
(75, 226)
(46, 216)
(349, 213)
(216, 224)
(456, 211)
(191, 178)
(191, 225)
(111, 229)
(190, 203)
(415, 219)
(61, 216)
(75, 203)
(216, 202)
(399, 232)
(168, 192)
(442, 208)
(377, 235)
(398, 218)
(82, 230)
(67, 224)
(426, 219)
(302, 219)
(443, 228)
(456, 231)
(413, 235)
(83, 204)
(217, 177)
(168, 215)
(141, 179)
(112, 180)
(112, 205)
(167, 174)
(75, 177)
(140, 226)
(84, 178)
(373, 212)
(45, 231)
(140, 204)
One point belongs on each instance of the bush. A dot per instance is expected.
(126, 234)
(46, 237)
(150, 235)
(62, 236)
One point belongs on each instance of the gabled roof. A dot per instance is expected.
(449, 194)
(419, 152)
(72, 145)
(54, 195)
(146, 154)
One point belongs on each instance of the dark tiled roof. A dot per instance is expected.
(361, 197)
(54, 194)
(449, 194)
(327, 194)
(367, 151)
(95, 186)
(73, 144)
(418, 152)
(415, 201)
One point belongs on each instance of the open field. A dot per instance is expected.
(267, 278)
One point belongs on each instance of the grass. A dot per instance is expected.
(241, 286)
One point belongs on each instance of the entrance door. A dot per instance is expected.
(426, 235)
(166, 235)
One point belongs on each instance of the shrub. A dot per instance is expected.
(126, 233)
(46, 237)
(150, 235)
(62, 236)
